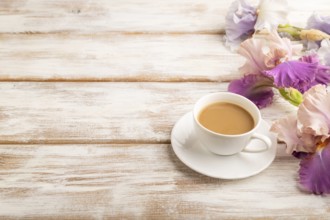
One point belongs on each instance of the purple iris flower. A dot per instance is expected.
(314, 173)
(240, 21)
(300, 74)
(257, 88)
(322, 74)
(296, 74)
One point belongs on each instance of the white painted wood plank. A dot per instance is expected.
(141, 181)
(171, 16)
(115, 57)
(101, 112)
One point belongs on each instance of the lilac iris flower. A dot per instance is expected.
(240, 21)
(318, 22)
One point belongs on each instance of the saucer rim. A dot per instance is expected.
(188, 164)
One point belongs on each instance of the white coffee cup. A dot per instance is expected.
(224, 144)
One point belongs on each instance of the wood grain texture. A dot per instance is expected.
(90, 91)
(116, 57)
(101, 112)
(130, 16)
(141, 181)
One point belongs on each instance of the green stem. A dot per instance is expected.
(292, 30)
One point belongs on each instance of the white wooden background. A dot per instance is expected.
(89, 92)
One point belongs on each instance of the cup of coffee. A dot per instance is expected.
(225, 123)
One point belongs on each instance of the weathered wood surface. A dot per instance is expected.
(90, 91)
(116, 57)
(130, 16)
(141, 181)
(101, 112)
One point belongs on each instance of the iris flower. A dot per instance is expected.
(271, 13)
(271, 60)
(318, 22)
(300, 74)
(266, 52)
(257, 88)
(261, 75)
(307, 135)
(240, 21)
(243, 19)
(291, 78)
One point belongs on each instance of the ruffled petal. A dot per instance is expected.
(286, 129)
(322, 74)
(324, 52)
(311, 126)
(318, 22)
(251, 50)
(271, 14)
(255, 59)
(314, 113)
(297, 74)
(240, 21)
(266, 52)
(257, 88)
(314, 172)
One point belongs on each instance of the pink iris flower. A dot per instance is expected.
(307, 136)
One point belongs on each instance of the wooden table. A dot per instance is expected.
(89, 93)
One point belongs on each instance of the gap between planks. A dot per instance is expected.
(105, 33)
(84, 142)
(132, 79)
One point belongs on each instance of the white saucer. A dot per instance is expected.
(195, 156)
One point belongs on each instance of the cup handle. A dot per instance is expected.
(263, 138)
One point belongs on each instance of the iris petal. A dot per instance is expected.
(322, 74)
(324, 52)
(257, 88)
(271, 14)
(296, 74)
(314, 113)
(318, 22)
(314, 173)
(286, 128)
(240, 21)
(264, 53)
(311, 125)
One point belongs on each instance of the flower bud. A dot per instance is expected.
(292, 95)
(313, 35)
